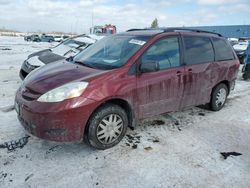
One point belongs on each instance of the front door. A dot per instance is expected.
(161, 91)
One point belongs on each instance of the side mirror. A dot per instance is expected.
(149, 66)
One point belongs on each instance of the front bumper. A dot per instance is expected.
(63, 121)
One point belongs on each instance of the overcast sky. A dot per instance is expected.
(76, 15)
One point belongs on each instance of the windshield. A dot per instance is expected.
(111, 52)
(72, 46)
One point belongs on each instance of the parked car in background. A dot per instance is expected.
(124, 78)
(46, 38)
(70, 47)
(58, 38)
(33, 38)
(27, 37)
(37, 38)
(107, 29)
(240, 50)
(65, 37)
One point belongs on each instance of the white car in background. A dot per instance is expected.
(68, 48)
(58, 38)
(240, 50)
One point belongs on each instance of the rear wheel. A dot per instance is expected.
(107, 127)
(219, 97)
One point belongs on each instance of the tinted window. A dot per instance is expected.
(165, 51)
(222, 50)
(198, 50)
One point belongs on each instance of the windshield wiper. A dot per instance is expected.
(69, 59)
(84, 64)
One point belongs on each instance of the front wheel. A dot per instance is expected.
(107, 127)
(219, 97)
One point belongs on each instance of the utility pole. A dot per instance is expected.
(92, 15)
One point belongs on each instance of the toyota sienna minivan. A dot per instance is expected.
(124, 78)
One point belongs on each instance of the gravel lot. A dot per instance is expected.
(176, 150)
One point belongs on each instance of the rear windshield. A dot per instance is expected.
(73, 43)
(111, 52)
(223, 51)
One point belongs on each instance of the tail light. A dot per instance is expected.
(238, 64)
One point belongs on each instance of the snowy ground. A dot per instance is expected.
(159, 153)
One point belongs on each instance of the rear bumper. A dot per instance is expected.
(63, 121)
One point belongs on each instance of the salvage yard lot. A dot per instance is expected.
(180, 149)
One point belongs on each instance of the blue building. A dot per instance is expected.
(230, 31)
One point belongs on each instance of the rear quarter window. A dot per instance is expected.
(223, 51)
(198, 50)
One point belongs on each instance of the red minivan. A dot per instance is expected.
(124, 78)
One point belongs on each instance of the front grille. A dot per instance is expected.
(23, 74)
(29, 94)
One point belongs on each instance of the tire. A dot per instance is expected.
(218, 97)
(105, 121)
(243, 69)
(245, 76)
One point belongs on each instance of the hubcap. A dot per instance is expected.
(221, 97)
(109, 129)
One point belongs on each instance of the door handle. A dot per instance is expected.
(190, 71)
(178, 73)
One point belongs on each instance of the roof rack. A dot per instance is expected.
(172, 29)
(175, 29)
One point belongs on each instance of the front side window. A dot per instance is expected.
(198, 50)
(111, 52)
(165, 51)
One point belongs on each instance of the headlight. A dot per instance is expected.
(34, 61)
(63, 92)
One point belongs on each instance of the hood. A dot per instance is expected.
(50, 57)
(44, 56)
(56, 74)
(39, 53)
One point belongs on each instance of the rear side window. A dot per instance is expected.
(222, 49)
(198, 50)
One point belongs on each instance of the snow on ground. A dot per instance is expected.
(177, 150)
